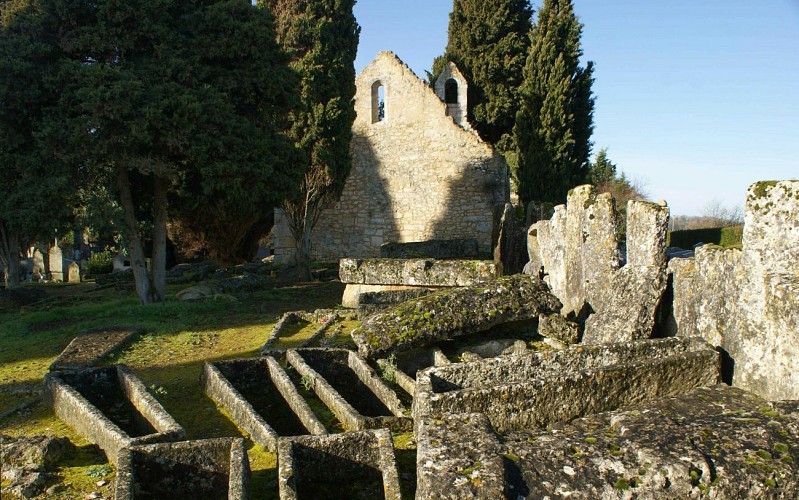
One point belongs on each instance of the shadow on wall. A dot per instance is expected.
(363, 218)
(473, 206)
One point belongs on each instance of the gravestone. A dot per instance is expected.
(56, 263)
(73, 272)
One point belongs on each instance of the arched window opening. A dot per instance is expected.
(451, 91)
(378, 102)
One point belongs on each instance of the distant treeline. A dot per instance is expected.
(726, 237)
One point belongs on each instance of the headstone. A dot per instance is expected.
(73, 272)
(56, 263)
(38, 263)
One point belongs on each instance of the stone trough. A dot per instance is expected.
(354, 465)
(111, 407)
(536, 389)
(350, 388)
(260, 398)
(206, 469)
(405, 365)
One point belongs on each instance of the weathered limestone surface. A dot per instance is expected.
(416, 175)
(458, 456)
(747, 301)
(577, 249)
(535, 389)
(453, 313)
(358, 465)
(377, 300)
(75, 396)
(417, 272)
(354, 294)
(716, 442)
(720, 442)
(25, 463)
(205, 468)
(73, 272)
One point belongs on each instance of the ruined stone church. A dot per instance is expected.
(419, 172)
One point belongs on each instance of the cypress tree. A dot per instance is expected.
(321, 39)
(488, 41)
(555, 120)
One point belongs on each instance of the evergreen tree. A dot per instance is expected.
(488, 40)
(164, 96)
(35, 194)
(555, 120)
(321, 38)
(602, 170)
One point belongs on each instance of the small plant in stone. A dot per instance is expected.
(389, 369)
(307, 382)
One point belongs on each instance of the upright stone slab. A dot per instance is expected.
(747, 301)
(73, 272)
(38, 263)
(577, 249)
(55, 261)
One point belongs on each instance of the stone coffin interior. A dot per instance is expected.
(353, 465)
(333, 366)
(203, 469)
(105, 391)
(542, 365)
(252, 379)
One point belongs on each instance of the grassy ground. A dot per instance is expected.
(178, 338)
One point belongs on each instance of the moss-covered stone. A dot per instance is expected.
(453, 313)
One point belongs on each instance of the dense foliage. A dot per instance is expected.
(321, 39)
(488, 41)
(36, 188)
(140, 103)
(555, 121)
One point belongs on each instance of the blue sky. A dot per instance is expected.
(696, 99)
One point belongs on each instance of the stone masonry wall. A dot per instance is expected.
(747, 301)
(416, 175)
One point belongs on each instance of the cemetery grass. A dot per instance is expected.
(177, 338)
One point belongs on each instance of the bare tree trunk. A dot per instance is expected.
(159, 239)
(9, 255)
(133, 240)
(304, 215)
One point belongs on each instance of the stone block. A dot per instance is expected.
(357, 465)
(431, 249)
(260, 398)
(350, 388)
(90, 347)
(417, 272)
(353, 293)
(541, 388)
(717, 442)
(110, 407)
(452, 313)
(201, 469)
(459, 456)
